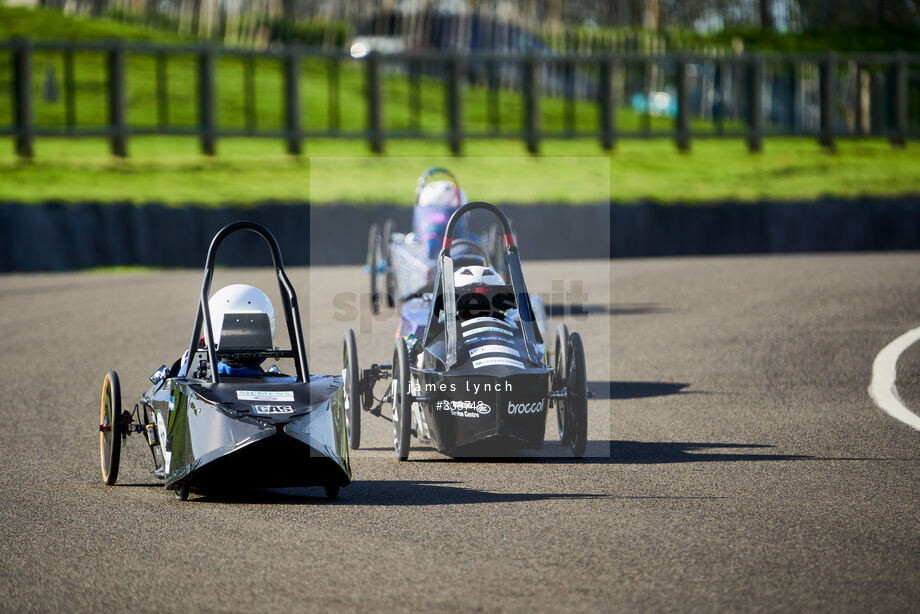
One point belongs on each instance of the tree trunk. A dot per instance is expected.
(766, 15)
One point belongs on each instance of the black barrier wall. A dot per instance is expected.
(59, 237)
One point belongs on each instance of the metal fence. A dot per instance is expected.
(115, 89)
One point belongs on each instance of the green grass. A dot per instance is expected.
(246, 171)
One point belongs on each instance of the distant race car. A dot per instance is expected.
(478, 371)
(402, 266)
(216, 419)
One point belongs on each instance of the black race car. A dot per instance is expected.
(471, 382)
(209, 430)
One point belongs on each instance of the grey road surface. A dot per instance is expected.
(736, 461)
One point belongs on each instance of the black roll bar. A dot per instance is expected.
(452, 224)
(444, 285)
(288, 303)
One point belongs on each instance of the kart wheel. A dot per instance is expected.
(402, 415)
(111, 428)
(351, 388)
(577, 402)
(373, 263)
(560, 372)
(181, 492)
(389, 281)
(332, 491)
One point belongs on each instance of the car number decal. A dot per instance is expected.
(267, 410)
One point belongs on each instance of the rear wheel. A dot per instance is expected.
(351, 388)
(560, 371)
(402, 416)
(181, 493)
(332, 491)
(577, 398)
(388, 273)
(111, 428)
(374, 259)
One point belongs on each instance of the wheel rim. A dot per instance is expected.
(571, 433)
(346, 397)
(559, 380)
(394, 393)
(106, 428)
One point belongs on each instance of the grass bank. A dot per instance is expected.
(171, 170)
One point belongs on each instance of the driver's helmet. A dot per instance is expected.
(238, 298)
(481, 292)
(436, 202)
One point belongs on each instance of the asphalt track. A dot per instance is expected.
(736, 461)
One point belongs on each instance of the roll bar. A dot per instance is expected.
(444, 287)
(455, 218)
(288, 300)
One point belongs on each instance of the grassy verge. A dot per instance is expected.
(170, 170)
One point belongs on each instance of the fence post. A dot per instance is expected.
(683, 107)
(531, 105)
(118, 142)
(22, 92)
(292, 102)
(607, 105)
(207, 109)
(828, 82)
(70, 108)
(899, 135)
(375, 135)
(454, 95)
(755, 103)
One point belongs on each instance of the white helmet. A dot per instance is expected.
(475, 275)
(238, 298)
(442, 194)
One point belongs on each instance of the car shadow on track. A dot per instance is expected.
(636, 390)
(618, 452)
(384, 492)
(568, 310)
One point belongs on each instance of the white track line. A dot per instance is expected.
(884, 373)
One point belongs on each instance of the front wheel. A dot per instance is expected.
(111, 428)
(332, 491)
(389, 281)
(577, 397)
(374, 259)
(351, 388)
(402, 415)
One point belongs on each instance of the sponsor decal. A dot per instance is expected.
(265, 395)
(501, 349)
(464, 409)
(479, 363)
(269, 410)
(525, 408)
(487, 329)
(486, 320)
(486, 338)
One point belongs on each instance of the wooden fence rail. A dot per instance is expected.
(700, 96)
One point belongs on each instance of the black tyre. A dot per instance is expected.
(560, 372)
(374, 259)
(402, 414)
(111, 428)
(181, 492)
(389, 281)
(577, 397)
(332, 491)
(351, 387)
